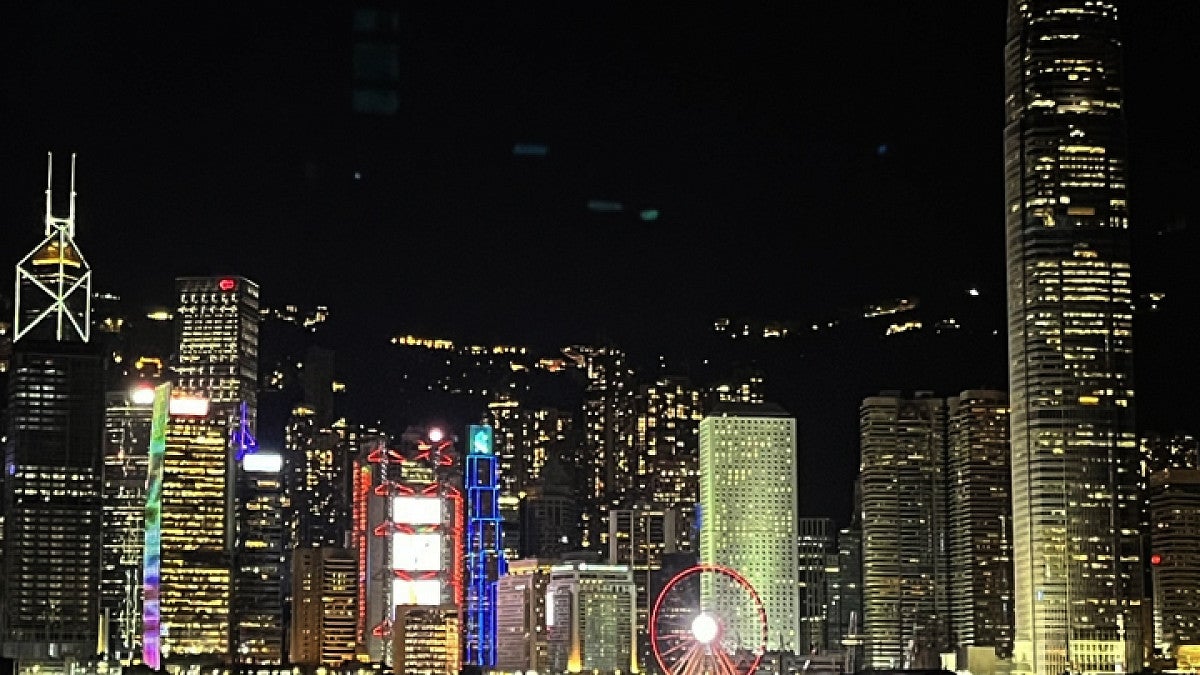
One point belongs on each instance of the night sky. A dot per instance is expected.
(802, 156)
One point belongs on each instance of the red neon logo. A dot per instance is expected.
(1156, 559)
(226, 284)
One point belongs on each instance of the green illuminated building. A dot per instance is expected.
(748, 519)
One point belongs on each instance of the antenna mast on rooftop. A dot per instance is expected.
(54, 283)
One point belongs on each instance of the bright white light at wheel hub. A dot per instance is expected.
(704, 628)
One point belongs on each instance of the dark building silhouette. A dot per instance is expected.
(52, 506)
(550, 515)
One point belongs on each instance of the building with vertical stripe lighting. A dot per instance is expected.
(1077, 569)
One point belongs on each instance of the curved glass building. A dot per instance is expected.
(1076, 562)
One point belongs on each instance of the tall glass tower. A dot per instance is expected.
(52, 442)
(1074, 453)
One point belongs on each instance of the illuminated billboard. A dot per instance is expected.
(189, 406)
(416, 592)
(263, 462)
(417, 552)
(417, 510)
(481, 439)
(142, 396)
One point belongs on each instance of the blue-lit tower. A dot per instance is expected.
(485, 557)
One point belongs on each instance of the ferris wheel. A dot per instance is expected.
(728, 638)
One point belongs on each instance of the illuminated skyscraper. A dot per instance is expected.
(324, 606)
(521, 643)
(52, 504)
(258, 560)
(903, 446)
(816, 541)
(607, 408)
(639, 539)
(526, 440)
(590, 619)
(980, 511)
(217, 324)
(484, 547)
(317, 464)
(194, 581)
(53, 457)
(413, 555)
(748, 521)
(663, 454)
(1077, 569)
(126, 452)
(1175, 563)
(215, 371)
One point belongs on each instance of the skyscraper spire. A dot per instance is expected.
(54, 282)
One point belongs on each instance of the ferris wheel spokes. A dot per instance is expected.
(690, 639)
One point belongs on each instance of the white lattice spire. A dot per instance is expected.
(54, 282)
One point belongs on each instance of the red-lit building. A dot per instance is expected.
(408, 520)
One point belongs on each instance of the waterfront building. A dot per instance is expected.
(748, 514)
(54, 458)
(591, 619)
(1078, 570)
(905, 573)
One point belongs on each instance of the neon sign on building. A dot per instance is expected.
(151, 557)
(410, 515)
(485, 556)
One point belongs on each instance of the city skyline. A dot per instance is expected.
(707, 281)
(850, 172)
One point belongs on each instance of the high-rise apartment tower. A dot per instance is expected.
(903, 445)
(980, 513)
